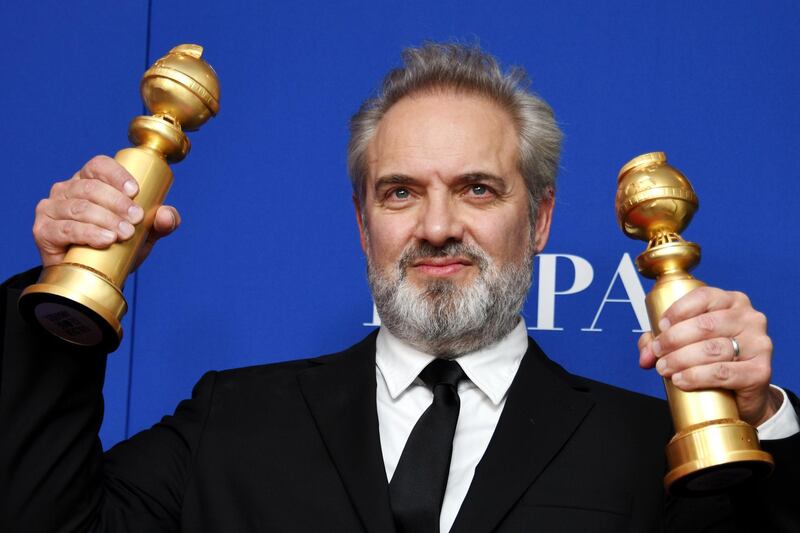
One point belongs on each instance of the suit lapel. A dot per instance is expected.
(541, 413)
(340, 393)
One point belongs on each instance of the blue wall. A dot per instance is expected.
(267, 265)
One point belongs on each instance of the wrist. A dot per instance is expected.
(773, 404)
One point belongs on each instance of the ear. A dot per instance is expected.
(544, 217)
(360, 222)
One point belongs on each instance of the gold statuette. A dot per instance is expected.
(712, 449)
(80, 300)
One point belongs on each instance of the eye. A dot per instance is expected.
(479, 189)
(400, 194)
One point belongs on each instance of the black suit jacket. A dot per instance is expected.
(295, 447)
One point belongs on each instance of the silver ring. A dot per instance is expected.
(735, 348)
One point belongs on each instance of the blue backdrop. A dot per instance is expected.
(267, 265)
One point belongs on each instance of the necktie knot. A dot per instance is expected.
(442, 372)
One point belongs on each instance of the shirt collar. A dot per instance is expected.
(491, 369)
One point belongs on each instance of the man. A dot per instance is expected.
(453, 167)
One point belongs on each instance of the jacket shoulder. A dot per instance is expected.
(285, 373)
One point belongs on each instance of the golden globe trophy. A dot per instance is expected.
(712, 448)
(80, 300)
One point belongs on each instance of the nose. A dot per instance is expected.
(439, 221)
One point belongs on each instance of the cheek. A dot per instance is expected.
(386, 240)
(505, 239)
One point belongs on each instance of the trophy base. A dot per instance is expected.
(715, 457)
(76, 304)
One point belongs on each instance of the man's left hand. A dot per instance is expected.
(694, 349)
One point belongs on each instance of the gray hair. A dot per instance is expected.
(463, 68)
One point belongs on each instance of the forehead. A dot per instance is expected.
(443, 134)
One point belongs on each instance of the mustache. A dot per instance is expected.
(475, 254)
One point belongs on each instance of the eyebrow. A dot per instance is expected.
(497, 182)
(393, 179)
(464, 179)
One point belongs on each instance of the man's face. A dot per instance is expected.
(446, 209)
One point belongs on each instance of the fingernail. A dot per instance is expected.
(108, 236)
(677, 379)
(661, 366)
(131, 188)
(656, 347)
(663, 324)
(174, 219)
(135, 213)
(125, 229)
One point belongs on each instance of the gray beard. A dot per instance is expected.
(443, 318)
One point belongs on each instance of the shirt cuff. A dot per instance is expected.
(782, 424)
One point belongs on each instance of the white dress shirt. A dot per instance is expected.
(402, 398)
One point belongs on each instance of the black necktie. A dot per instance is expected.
(418, 484)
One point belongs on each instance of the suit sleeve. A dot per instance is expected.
(54, 476)
(768, 505)
(772, 504)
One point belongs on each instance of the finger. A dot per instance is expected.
(711, 325)
(644, 339)
(699, 301)
(702, 353)
(736, 376)
(56, 235)
(166, 221)
(85, 211)
(59, 188)
(104, 195)
(107, 170)
(647, 358)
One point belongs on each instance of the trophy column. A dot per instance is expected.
(80, 300)
(712, 449)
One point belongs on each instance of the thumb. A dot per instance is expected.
(166, 221)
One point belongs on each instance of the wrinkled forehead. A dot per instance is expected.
(443, 133)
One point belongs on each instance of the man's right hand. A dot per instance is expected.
(95, 208)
